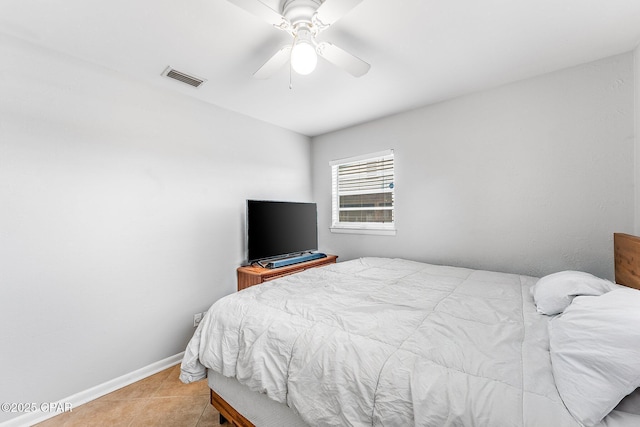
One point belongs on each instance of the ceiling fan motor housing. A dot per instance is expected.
(300, 11)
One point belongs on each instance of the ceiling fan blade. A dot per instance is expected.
(343, 59)
(274, 63)
(261, 10)
(332, 10)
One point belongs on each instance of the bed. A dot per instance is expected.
(393, 342)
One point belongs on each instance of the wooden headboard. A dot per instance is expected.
(626, 253)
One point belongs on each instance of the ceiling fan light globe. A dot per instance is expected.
(304, 58)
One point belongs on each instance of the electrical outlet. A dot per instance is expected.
(196, 319)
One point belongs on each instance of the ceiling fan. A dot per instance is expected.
(304, 20)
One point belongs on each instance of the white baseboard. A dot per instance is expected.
(31, 418)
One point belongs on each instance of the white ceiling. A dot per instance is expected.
(420, 51)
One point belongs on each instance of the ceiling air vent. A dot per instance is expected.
(182, 77)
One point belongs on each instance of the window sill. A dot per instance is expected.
(373, 231)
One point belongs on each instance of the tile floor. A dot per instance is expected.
(159, 400)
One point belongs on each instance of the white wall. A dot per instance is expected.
(121, 215)
(636, 70)
(531, 177)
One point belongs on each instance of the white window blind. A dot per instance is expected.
(363, 193)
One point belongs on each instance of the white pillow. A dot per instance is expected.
(595, 353)
(553, 293)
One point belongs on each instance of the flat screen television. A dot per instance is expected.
(280, 229)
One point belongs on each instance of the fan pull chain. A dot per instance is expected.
(290, 77)
(295, 39)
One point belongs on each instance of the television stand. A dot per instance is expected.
(254, 275)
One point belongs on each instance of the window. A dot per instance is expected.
(363, 193)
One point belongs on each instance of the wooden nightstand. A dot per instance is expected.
(253, 275)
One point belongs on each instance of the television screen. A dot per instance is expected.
(277, 229)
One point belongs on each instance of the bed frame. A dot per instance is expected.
(228, 412)
(626, 249)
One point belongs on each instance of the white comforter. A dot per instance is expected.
(388, 342)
